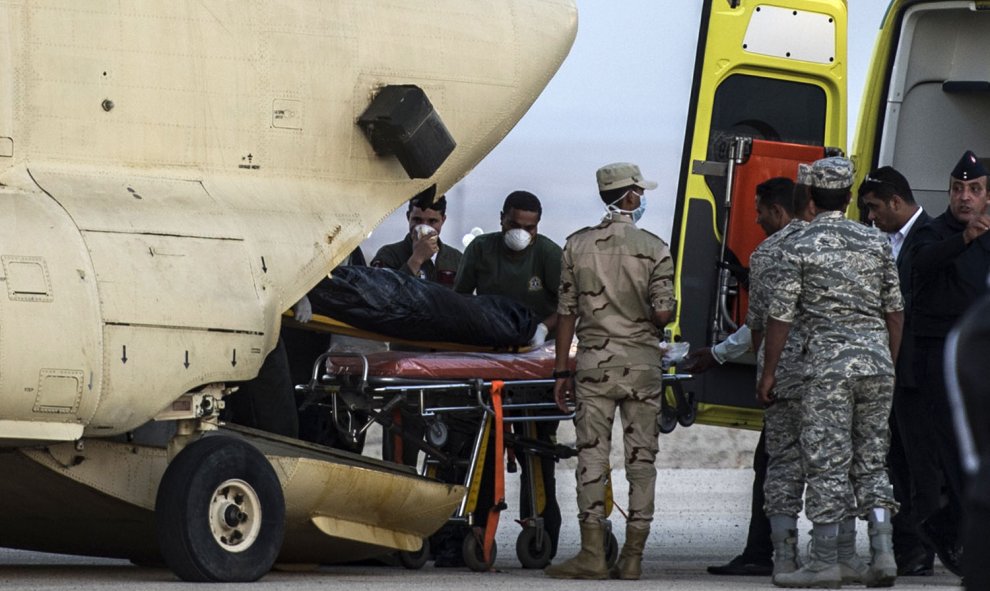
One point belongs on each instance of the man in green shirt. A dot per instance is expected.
(519, 263)
(421, 252)
(516, 262)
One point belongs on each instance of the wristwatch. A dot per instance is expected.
(565, 373)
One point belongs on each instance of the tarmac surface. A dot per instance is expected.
(701, 519)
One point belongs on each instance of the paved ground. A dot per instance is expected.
(701, 520)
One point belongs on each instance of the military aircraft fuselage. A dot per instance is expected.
(175, 175)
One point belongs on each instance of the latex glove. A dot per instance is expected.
(540, 336)
(303, 310)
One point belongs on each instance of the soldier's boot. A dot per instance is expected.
(629, 564)
(822, 570)
(785, 551)
(589, 562)
(883, 567)
(851, 566)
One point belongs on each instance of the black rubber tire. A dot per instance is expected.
(529, 555)
(417, 559)
(666, 422)
(687, 418)
(190, 486)
(473, 552)
(611, 550)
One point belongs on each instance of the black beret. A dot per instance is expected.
(969, 167)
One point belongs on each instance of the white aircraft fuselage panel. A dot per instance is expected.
(175, 175)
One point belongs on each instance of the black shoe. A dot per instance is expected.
(918, 563)
(743, 566)
(947, 547)
(916, 569)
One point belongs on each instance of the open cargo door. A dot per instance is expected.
(927, 96)
(769, 92)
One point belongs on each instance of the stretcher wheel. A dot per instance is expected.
(220, 513)
(416, 559)
(437, 434)
(611, 550)
(533, 547)
(666, 421)
(686, 418)
(473, 551)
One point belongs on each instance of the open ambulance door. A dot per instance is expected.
(769, 92)
(927, 95)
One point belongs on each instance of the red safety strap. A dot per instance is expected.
(499, 471)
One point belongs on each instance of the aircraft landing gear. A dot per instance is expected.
(417, 559)
(220, 513)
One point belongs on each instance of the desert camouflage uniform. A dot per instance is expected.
(613, 276)
(839, 277)
(784, 485)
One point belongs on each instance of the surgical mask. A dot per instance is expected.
(422, 230)
(517, 239)
(636, 214)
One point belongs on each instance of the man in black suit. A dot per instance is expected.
(950, 262)
(886, 197)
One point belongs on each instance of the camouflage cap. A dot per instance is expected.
(621, 174)
(835, 172)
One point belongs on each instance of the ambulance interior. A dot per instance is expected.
(938, 102)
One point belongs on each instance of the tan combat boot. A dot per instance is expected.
(589, 562)
(785, 553)
(629, 565)
(822, 570)
(851, 566)
(883, 568)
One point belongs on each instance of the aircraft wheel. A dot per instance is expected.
(473, 551)
(611, 550)
(533, 547)
(220, 513)
(417, 559)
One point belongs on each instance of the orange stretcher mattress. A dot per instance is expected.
(537, 364)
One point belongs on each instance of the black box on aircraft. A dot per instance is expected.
(401, 120)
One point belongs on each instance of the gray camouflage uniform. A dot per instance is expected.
(784, 485)
(839, 278)
(612, 276)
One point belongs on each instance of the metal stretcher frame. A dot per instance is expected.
(357, 389)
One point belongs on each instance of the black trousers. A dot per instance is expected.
(759, 546)
(912, 455)
(934, 407)
(268, 401)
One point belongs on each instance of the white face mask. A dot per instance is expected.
(422, 230)
(636, 214)
(517, 239)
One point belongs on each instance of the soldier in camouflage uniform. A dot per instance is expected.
(838, 277)
(618, 281)
(783, 213)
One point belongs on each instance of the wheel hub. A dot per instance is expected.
(235, 515)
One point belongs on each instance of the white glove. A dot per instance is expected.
(303, 310)
(540, 336)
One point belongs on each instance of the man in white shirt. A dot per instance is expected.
(886, 197)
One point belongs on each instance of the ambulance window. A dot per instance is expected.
(767, 108)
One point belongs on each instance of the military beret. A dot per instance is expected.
(969, 167)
